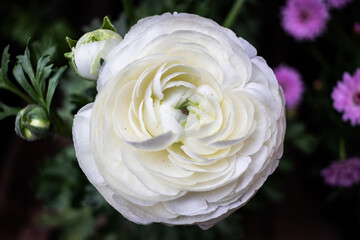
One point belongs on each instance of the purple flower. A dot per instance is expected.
(291, 83)
(346, 96)
(357, 28)
(305, 19)
(337, 3)
(342, 173)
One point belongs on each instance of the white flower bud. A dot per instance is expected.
(91, 51)
(32, 123)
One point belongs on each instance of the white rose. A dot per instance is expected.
(92, 49)
(187, 125)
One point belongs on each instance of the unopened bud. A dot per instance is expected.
(32, 123)
(92, 50)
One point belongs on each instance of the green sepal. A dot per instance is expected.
(108, 25)
(71, 42)
(70, 56)
(7, 111)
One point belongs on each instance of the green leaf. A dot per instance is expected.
(4, 80)
(25, 62)
(7, 111)
(108, 25)
(285, 165)
(306, 143)
(21, 79)
(45, 46)
(53, 82)
(71, 43)
(42, 73)
(4, 65)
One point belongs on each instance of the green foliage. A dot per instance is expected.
(36, 87)
(38, 83)
(7, 111)
(76, 93)
(33, 82)
(5, 83)
(76, 208)
(61, 185)
(298, 136)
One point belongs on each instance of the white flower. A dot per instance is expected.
(92, 49)
(187, 125)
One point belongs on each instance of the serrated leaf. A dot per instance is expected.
(4, 65)
(5, 83)
(71, 42)
(53, 82)
(43, 47)
(42, 73)
(21, 79)
(7, 111)
(108, 25)
(25, 62)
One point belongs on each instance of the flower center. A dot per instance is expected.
(356, 98)
(185, 111)
(304, 15)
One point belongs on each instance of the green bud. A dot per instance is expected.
(32, 123)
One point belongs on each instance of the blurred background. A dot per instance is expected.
(44, 194)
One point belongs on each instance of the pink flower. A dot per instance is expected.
(346, 96)
(305, 19)
(337, 3)
(342, 173)
(291, 83)
(357, 28)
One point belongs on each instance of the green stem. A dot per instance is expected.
(230, 18)
(17, 92)
(61, 127)
(342, 150)
(320, 58)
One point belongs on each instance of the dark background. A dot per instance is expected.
(304, 210)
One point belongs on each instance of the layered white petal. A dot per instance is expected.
(187, 125)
